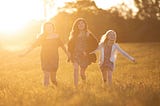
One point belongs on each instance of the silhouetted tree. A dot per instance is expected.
(148, 9)
(122, 10)
(120, 19)
(79, 6)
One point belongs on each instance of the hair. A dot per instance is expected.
(43, 32)
(104, 37)
(75, 31)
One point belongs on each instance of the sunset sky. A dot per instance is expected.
(16, 13)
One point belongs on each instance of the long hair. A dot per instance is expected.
(104, 37)
(75, 31)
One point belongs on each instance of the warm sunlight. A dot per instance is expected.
(15, 14)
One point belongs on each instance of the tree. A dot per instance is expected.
(122, 10)
(79, 6)
(148, 9)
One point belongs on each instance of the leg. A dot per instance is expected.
(109, 76)
(53, 77)
(104, 75)
(75, 65)
(46, 78)
(83, 76)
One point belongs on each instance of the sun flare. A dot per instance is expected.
(15, 14)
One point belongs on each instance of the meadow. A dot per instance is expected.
(134, 84)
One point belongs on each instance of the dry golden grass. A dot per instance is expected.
(133, 84)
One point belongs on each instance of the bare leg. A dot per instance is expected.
(104, 75)
(83, 76)
(75, 65)
(109, 77)
(46, 78)
(53, 77)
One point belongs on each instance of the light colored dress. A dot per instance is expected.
(115, 49)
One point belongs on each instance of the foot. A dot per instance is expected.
(54, 82)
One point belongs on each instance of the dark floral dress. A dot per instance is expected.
(49, 52)
(78, 45)
(80, 48)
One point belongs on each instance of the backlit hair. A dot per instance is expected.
(75, 31)
(104, 37)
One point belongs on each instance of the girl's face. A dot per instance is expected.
(81, 25)
(112, 36)
(49, 28)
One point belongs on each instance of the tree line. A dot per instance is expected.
(142, 27)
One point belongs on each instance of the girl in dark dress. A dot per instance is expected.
(81, 43)
(49, 42)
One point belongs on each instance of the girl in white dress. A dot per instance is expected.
(108, 52)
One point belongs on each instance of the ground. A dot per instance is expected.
(133, 84)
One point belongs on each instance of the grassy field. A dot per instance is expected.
(133, 84)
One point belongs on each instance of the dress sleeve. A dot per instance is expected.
(124, 53)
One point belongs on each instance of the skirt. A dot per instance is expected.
(107, 66)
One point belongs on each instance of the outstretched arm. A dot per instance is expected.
(64, 48)
(98, 49)
(29, 49)
(124, 53)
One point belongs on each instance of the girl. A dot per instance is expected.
(49, 42)
(108, 53)
(81, 43)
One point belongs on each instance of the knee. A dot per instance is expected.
(46, 74)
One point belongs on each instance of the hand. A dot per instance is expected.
(84, 53)
(134, 61)
(69, 56)
(25, 52)
(68, 60)
(91, 52)
(22, 55)
(100, 64)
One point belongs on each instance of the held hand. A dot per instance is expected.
(69, 56)
(100, 64)
(91, 53)
(84, 53)
(68, 60)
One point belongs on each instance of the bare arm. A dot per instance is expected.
(124, 53)
(98, 49)
(31, 47)
(26, 51)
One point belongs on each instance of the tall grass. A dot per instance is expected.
(133, 84)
